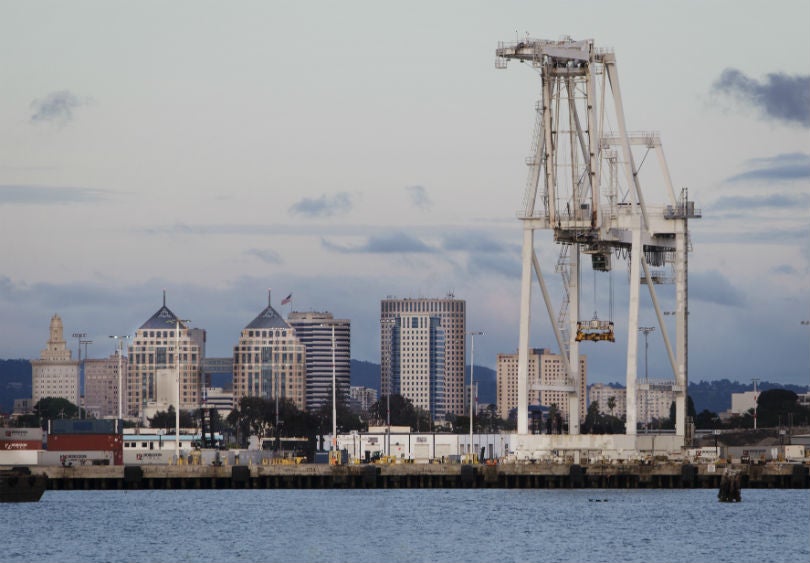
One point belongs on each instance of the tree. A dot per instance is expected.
(50, 408)
(779, 407)
(403, 412)
(166, 420)
(707, 419)
(611, 404)
(593, 420)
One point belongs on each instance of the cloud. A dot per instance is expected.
(56, 107)
(48, 195)
(324, 206)
(419, 197)
(774, 201)
(396, 243)
(785, 269)
(265, 255)
(780, 96)
(782, 167)
(472, 241)
(505, 265)
(714, 287)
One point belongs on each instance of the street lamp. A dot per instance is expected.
(80, 336)
(177, 322)
(472, 394)
(334, 390)
(120, 345)
(756, 401)
(646, 330)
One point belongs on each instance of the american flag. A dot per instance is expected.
(286, 299)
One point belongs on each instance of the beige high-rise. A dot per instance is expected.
(269, 361)
(153, 350)
(544, 368)
(55, 373)
(101, 385)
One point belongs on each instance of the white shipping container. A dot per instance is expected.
(72, 458)
(794, 453)
(20, 434)
(19, 457)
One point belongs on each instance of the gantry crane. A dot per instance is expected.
(580, 149)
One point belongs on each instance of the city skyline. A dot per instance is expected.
(347, 157)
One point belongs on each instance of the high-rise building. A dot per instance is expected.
(55, 373)
(154, 353)
(545, 368)
(362, 398)
(314, 330)
(601, 394)
(101, 385)
(422, 352)
(269, 361)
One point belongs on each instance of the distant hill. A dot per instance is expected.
(15, 382)
(716, 395)
(365, 374)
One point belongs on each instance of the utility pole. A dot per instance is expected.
(120, 345)
(472, 393)
(646, 330)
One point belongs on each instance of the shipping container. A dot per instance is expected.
(17, 434)
(21, 445)
(66, 442)
(19, 457)
(148, 457)
(75, 458)
(105, 426)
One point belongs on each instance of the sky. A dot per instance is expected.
(343, 152)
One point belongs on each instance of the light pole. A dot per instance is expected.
(646, 330)
(120, 345)
(756, 401)
(334, 390)
(177, 322)
(80, 336)
(472, 393)
(806, 323)
(389, 323)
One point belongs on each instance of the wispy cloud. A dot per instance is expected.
(782, 167)
(773, 201)
(48, 195)
(57, 107)
(419, 197)
(265, 255)
(780, 96)
(785, 269)
(324, 206)
(397, 243)
(472, 241)
(507, 265)
(714, 287)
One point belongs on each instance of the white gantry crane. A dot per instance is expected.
(584, 185)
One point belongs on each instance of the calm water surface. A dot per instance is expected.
(408, 525)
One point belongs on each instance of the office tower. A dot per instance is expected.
(153, 358)
(101, 385)
(422, 351)
(55, 374)
(269, 361)
(314, 330)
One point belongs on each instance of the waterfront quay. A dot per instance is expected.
(664, 475)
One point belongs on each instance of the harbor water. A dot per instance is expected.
(408, 525)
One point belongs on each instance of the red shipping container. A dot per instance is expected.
(21, 445)
(77, 442)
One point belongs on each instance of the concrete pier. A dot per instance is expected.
(667, 475)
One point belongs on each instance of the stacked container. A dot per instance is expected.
(81, 442)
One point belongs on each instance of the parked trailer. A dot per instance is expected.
(76, 458)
